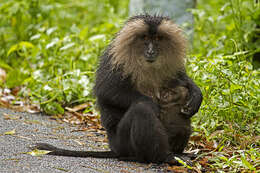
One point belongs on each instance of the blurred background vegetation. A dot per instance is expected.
(49, 49)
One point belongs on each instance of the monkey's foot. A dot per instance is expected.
(191, 156)
(43, 146)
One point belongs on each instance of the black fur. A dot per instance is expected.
(153, 21)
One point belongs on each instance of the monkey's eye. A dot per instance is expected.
(144, 37)
(159, 38)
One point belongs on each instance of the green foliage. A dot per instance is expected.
(226, 39)
(225, 27)
(52, 47)
(222, 63)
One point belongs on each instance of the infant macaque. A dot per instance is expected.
(177, 125)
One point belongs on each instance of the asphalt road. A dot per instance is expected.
(30, 128)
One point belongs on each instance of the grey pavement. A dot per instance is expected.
(31, 128)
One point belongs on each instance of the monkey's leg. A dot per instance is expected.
(143, 132)
(178, 139)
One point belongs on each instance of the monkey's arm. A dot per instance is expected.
(118, 92)
(115, 95)
(195, 96)
(112, 88)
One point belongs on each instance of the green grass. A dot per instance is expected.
(51, 47)
(225, 41)
(221, 64)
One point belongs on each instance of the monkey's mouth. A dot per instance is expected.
(150, 60)
(150, 57)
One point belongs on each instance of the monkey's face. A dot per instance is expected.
(148, 41)
(150, 46)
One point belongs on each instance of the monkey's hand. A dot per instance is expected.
(187, 109)
(194, 101)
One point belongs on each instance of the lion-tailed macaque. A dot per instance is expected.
(145, 58)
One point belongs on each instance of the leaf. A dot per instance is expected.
(62, 169)
(15, 78)
(51, 30)
(183, 163)
(5, 65)
(75, 29)
(12, 49)
(97, 37)
(12, 132)
(78, 142)
(37, 152)
(78, 107)
(52, 107)
(203, 161)
(52, 43)
(34, 37)
(67, 46)
(24, 44)
(247, 164)
(83, 33)
(10, 117)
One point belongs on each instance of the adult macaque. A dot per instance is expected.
(143, 64)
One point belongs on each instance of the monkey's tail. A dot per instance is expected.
(62, 152)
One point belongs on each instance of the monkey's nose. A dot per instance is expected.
(150, 49)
